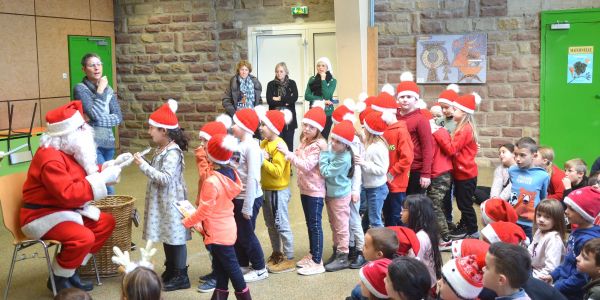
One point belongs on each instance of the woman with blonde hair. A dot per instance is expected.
(282, 93)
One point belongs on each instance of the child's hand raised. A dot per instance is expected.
(282, 147)
(138, 159)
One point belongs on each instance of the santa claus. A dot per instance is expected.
(61, 182)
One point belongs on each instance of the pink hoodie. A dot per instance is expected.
(306, 161)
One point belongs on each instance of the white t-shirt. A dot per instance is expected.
(425, 254)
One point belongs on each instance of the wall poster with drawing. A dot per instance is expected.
(452, 58)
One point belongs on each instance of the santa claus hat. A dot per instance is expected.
(585, 201)
(64, 119)
(468, 247)
(220, 148)
(275, 120)
(220, 126)
(407, 240)
(467, 103)
(504, 232)
(363, 107)
(164, 116)
(344, 111)
(343, 132)
(247, 119)
(388, 88)
(464, 276)
(407, 86)
(372, 275)
(385, 102)
(449, 95)
(376, 122)
(315, 116)
(496, 209)
(326, 61)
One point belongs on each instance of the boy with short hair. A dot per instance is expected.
(529, 184)
(575, 170)
(588, 262)
(506, 270)
(583, 206)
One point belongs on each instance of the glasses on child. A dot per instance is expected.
(97, 64)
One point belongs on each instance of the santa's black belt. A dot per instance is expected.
(38, 206)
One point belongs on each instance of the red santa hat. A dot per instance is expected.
(164, 116)
(407, 240)
(363, 107)
(449, 95)
(275, 120)
(376, 122)
(343, 132)
(315, 116)
(64, 119)
(220, 126)
(467, 103)
(407, 86)
(464, 276)
(247, 119)
(344, 111)
(372, 275)
(585, 201)
(504, 232)
(220, 148)
(468, 247)
(385, 102)
(496, 209)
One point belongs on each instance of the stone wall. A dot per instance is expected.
(187, 50)
(510, 107)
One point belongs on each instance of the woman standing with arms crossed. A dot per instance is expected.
(282, 93)
(321, 87)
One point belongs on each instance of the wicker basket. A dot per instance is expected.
(120, 207)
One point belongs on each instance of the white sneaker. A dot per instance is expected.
(245, 270)
(304, 261)
(312, 268)
(256, 275)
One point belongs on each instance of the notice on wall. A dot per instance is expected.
(580, 65)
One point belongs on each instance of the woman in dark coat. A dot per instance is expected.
(282, 93)
(244, 89)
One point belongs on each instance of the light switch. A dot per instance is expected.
(65, 76)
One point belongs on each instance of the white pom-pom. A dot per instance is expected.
(407, 76)
(477, 98)
(362, 96)
(173, 105)
(230, 143)
(453, 87)
(388, 117)
(350, 104)
(388, 88)
(261, 111)
(225, 120)
(361, 106)
(348, 117)
(319, 103)
(436, 110)
(287, 116)
(420, 104)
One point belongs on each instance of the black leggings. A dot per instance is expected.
(464, 191)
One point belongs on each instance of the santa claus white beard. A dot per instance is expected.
(79, 143)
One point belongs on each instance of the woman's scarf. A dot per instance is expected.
(281, 86)
(247, 89)
(315, 86)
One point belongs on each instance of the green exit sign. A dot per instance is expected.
(299, 10)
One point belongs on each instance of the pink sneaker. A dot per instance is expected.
(304, 261)
(312, 268)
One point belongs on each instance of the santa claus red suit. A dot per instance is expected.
(61, 182)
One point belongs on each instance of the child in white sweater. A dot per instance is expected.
(547, 248)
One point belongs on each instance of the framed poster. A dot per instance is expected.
(452, 58)
(581, 65)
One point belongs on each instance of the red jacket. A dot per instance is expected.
(401, 156)
(462, 148)
(556, 188)
(442, 162)
(420, 134)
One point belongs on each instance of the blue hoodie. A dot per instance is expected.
(335, 167)
(566, 278)
(527, 184)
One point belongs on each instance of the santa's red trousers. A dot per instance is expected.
(79, 240)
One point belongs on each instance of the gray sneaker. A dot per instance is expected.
(208, 286)
(339, 263)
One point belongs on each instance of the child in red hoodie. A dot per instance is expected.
(462, 147)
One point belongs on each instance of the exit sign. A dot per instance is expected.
(299, 10)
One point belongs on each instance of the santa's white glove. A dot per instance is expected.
(110, 174)
(90, 211)
(124, 160)
(122, 258)
(147, 254)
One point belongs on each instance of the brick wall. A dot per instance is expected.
(510, 106)
(187, 50)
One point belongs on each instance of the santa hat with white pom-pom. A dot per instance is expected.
(316, 115)
(344, 111)
(377, 122)
(164, 116)
(220, 126)
(407, 86)
(467, 103)
(220, 148)
(449, 95)
(385, 101)
(275, 120)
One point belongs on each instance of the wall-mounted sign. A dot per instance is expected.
(580, 65)
(299, 10)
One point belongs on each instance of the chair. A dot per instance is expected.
(11, 200)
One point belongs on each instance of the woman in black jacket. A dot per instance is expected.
(282, 93)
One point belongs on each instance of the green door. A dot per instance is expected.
(570, 84)
(80, 46)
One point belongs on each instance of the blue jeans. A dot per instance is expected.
(247, 247)
(225, 267)
(102, 155)
(313, 213)
(375, 200)
(357, 293)
(392, 208)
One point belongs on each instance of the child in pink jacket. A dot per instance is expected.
(214, 217)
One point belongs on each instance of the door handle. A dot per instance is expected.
(598, 96)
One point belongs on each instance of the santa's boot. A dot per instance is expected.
(243, 295)
(60, 283)
(219, 295)
(75, 280)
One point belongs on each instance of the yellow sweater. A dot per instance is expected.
(275, 171)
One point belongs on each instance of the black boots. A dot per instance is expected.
(358, 261)
(60, 282)
(82, 285)
(339, 263)
(168, 273)
(178, 281)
